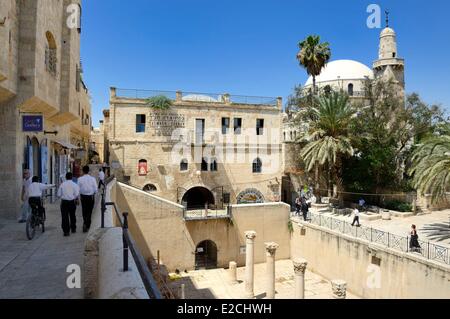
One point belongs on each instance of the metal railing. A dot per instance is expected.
(223, 98)
(207, 212)
(401, 243)
(129, 244)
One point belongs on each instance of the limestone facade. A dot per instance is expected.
(39, 76)
(194, 145)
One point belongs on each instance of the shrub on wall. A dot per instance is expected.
(159, 102)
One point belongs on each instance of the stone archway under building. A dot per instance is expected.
(198, 197)
(206, 255)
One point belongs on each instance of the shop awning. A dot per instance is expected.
(66, 145)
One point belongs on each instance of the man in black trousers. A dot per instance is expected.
(88, 189)
(69, 193)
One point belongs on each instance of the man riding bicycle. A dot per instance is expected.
(35, 194)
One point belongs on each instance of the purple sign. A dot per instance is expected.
(32, 123)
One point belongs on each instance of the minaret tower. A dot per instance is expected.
(389, 66)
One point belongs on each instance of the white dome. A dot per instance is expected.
(198, 98)
(342, 70)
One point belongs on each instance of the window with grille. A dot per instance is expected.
(257, 166)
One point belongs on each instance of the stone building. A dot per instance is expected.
(205, 149)
(44, 105)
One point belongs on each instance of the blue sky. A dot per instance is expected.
(249, 47)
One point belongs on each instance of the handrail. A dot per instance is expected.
(129, 244)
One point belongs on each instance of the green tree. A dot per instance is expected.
(431, 165)
(313, 56)
(327, 140)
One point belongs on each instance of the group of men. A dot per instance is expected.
(70, 193)
(302, 205)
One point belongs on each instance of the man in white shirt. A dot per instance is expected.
(25, 209)
(69, 193)
(88, 189)
(101, 177)
(356, 218)
(35, 194)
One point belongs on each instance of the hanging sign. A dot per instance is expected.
(32, 123)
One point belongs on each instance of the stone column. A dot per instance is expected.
(339, 289)
(249, 264)
(299, 270)
(271, 248)
(232, 272)
(182, 292)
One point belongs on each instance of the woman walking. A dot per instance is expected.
(414, 242)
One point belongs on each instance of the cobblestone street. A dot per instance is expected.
(37, 269)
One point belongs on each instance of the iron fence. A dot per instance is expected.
(428, 250)
(198, 97)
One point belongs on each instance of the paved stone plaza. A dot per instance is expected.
(37, 269)
(437, 221)
(215, 284)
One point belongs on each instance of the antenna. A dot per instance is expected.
(387, 18)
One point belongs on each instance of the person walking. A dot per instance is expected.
(305, 209)
(101, 178)
(25, 209)
(356, 217)
(88, 189)
(69, 193)
(414, 241)
(298, 206)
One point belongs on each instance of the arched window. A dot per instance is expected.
(257, 166)
(150, 188)
(284, 135)
(184, 165)
(350, 89)
(291, 135)
(213, 165)
(51, 54)
(204, 164)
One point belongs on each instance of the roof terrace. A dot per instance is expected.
(179, 96)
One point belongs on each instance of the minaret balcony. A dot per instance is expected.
(391, 61)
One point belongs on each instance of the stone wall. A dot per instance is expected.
(158, 225)
(337, 256)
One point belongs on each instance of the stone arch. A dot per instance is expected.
(198, 197)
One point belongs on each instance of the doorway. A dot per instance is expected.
(206, 255)
(198, 197)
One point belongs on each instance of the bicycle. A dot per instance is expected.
(36, 219)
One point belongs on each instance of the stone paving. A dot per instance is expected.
(401, 226)
(214, 284)
(37, 269)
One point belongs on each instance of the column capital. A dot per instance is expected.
(300, 266)
(271, 248)
(250, 235)
(339, 288)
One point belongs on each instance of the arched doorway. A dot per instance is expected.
(198, 197)
(206, 255)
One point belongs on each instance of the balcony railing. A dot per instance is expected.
(179, 96)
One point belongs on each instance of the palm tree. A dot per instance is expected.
(313, 56)
(327, 139)
(431, 165)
